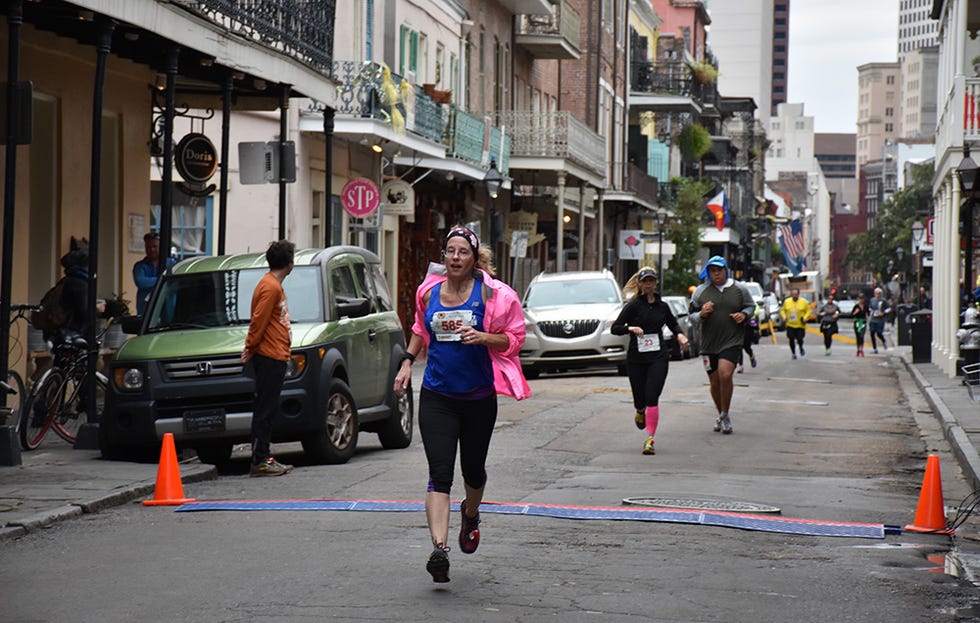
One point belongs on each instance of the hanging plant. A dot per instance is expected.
(703, 72)
(693, 142)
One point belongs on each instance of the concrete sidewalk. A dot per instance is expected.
(56, 482)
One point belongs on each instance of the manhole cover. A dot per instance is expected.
(702, 504)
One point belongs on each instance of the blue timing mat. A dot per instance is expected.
(761, 523)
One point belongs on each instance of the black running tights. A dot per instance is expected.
(647, 382)
(447, 422)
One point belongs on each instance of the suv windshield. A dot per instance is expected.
(572, 292)
(224, 298)
(754, 289)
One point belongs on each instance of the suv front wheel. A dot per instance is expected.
(396, 431)
(335, 440)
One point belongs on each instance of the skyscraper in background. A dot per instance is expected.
(780, 52)
(750, 38)
(915, 28)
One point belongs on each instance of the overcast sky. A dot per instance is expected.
(828, 39)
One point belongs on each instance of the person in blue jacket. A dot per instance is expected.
(147, 271)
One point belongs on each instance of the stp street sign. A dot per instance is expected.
(360, 197)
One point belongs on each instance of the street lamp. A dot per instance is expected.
(968, 173)
(493, 179)
(918, 235)
(661, 222)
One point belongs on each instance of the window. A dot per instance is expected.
(192, 221)
(889, 127)
(889, 112)
(408, 51)
(440, 60)
(890, 80)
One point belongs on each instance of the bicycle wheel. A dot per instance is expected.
(44, 401)
(71, 415)
(15, 401)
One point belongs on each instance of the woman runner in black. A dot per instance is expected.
(644, 318)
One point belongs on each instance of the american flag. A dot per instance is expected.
(793, 245)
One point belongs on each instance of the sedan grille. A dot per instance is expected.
(568, 328)
(228, 365)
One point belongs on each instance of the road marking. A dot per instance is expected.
(812, 403)
(792, 380)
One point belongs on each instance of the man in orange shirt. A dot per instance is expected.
(267, 347)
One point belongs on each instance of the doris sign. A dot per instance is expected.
(196, 158)
(360, 197)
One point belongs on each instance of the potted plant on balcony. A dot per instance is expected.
(693, 142)
(976, 65)
(703, 72)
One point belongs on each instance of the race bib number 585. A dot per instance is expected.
(446, 324)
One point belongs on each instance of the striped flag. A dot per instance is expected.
(793, 245)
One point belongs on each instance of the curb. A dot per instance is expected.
(38, 521)
(966, 454)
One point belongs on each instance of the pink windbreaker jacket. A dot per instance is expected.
(504, 315)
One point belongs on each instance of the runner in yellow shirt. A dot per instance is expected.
(795, 312)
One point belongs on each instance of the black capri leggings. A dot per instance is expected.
(647, 382)
(445, 422)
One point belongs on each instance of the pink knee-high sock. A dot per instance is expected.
(653, 418)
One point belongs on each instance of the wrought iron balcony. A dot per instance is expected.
(299, 29)
(550, 36)
(671, 79)
(468, 136)
(370, 90)
(554, 135)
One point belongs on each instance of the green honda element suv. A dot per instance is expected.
(182, 372)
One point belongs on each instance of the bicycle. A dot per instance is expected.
(14, 385)
(56, 399)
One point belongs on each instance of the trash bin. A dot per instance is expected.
(921, 334)
(904, 333)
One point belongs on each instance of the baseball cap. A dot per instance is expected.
(645, 273)
(716, 260)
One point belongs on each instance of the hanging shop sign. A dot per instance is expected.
(398, 197)
(360, 197)
(196, 158)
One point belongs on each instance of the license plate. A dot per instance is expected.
(204, 421)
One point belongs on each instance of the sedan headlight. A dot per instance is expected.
(128, 379)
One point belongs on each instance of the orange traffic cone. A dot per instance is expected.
(169, 490)
(930, 515)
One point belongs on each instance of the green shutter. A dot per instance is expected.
(402, 41)
(413, 63)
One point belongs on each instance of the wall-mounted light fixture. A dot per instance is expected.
(493, 179)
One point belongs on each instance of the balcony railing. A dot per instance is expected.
(299, 29)
(366, 90)
(468, 140)
(669, 79)
(551, 36)
(555, 135)
(637, 181)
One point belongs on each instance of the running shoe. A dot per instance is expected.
(640, 419)
(469, 531)
(270, 467)
(740, 369)
(648, 446)
(794, 356)
(828, 352)
(726, 424)
(717, 428)
(753, 362)
(802, 352)
(875, 351)
(438, 564)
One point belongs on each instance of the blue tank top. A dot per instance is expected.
(453, 368)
